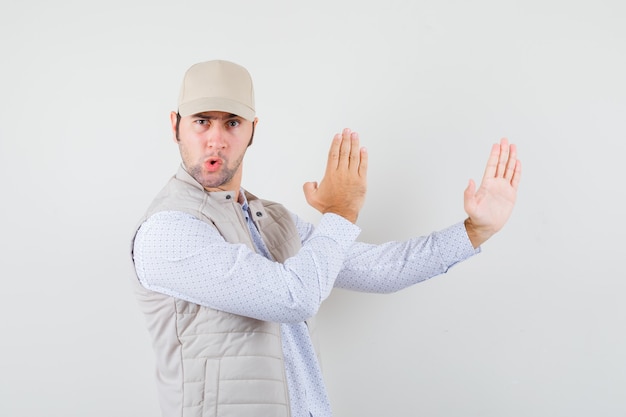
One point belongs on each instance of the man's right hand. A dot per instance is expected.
(342, 190)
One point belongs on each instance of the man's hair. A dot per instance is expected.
(177, 126)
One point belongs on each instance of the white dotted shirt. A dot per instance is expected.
(181, 256)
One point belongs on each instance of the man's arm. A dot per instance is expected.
(396, 265)
(181, 256)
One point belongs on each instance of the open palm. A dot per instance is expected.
(491, 205)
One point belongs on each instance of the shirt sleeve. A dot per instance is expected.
(393, 266)
(181, 256)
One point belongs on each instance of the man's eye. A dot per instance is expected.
(201, 122)
(233, 123)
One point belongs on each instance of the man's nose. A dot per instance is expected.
(216, 137)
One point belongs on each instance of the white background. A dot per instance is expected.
(533, 326)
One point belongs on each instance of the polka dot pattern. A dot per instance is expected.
(183, 257)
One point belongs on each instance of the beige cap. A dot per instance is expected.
(217, 86)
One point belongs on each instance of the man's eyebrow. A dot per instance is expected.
(213, 117)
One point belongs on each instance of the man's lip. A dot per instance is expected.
(213, 164)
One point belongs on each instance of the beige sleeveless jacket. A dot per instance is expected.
(209, 362)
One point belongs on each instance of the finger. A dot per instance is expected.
(333, 153)
(363, 162)
(517, 174)
(503, 158)
(344, 150)
(355, 152)
(492, 162)
(511, 163)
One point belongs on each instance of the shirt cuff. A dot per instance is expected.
(454, 244)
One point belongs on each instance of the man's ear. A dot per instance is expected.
(175, 121)
(256, 119)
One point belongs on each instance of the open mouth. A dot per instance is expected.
(212, 164)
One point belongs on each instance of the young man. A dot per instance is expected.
(227, 281)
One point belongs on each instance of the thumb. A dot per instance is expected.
(309, 189)
(471, 189)
(468, 194)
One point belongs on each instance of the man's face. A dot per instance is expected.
(212, 146)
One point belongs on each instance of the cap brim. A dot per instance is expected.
(216, 104)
